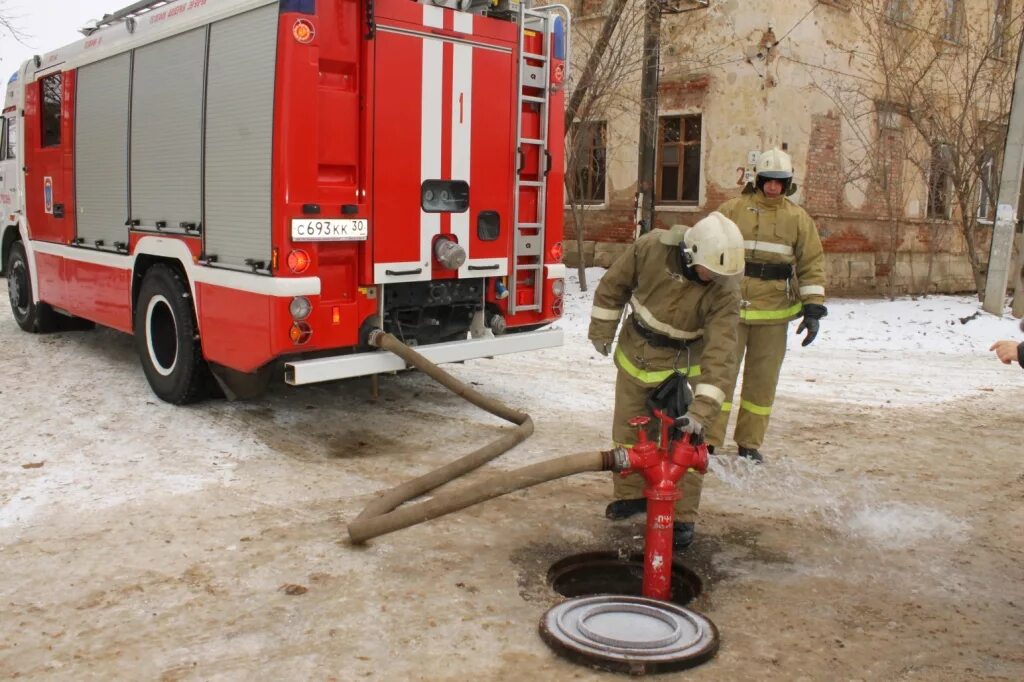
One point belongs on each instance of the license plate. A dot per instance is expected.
(329, 230)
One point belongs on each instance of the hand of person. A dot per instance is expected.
(602, 347)
(812, 313)
(690, 424)
(1006, 350)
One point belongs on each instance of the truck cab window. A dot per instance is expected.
(50, 92)
(3, 139)
(12, 137)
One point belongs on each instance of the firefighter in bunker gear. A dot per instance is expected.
(683, 290)
(782, 245)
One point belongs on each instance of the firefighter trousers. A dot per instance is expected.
(761, 349)
(631, 401)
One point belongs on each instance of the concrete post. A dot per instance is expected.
(1001, 251)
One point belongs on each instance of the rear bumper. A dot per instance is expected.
(377, 362)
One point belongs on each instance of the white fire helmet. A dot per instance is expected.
(716, 243)
(775, 164)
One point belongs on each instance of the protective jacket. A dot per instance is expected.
(674, 323)
(777, 232)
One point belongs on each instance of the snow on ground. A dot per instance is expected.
(872, 352)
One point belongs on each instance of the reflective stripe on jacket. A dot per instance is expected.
(778, 231)
(647, 277)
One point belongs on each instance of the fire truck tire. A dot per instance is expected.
(32, 316)
(167, 339)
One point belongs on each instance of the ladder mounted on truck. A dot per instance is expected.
(528, 235)
(130, 12)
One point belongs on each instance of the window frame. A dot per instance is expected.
(50, 137)
(953, 21)
(986, 193)
(939, 150)
(682, 144)
(11, 148)
(899, 11)
(1002, 13)
(590, 199)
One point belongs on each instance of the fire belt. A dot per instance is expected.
(768, 270)
(659, 340)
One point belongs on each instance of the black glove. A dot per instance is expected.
(602, 347)
(812, 313)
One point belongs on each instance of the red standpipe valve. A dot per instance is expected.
(662, 466)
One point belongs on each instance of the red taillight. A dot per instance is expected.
(298, 261)
(556, 252)
(300, 333)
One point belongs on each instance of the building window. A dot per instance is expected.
(1000, 25)
(940, 183)
(952, 21)
(889, 117)
(987, 189)
(679, 158)
(51, 99)
(589, 159)
(898, 10)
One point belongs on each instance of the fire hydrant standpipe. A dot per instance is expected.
(662, 467)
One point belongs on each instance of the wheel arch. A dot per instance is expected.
(170, 252)
(10, 234)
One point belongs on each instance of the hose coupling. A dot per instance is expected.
(616, 459)
(375, 337)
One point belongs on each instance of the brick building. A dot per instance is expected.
(880, 165)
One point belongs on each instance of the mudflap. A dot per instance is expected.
(242, 385)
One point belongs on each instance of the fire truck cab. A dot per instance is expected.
(252, 186)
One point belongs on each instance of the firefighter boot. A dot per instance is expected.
(682, 535)
(623, 509)
(752, 454)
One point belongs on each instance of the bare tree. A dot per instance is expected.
(606, 63)
(947, 73)
(9, 24)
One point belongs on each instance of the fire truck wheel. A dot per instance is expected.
(32, 316)
(167, 340)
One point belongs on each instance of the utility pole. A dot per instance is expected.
(1001, 252)
(649, 114)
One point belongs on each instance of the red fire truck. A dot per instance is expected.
(251, 186)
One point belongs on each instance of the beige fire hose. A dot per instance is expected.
(383, 516)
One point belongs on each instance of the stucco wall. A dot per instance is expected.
(715, 62)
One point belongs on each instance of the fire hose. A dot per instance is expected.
(383, 514)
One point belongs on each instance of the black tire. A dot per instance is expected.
(32, 316)
(167, 338)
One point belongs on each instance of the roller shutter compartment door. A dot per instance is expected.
(167, 128)
(101, 151)
(239, 131)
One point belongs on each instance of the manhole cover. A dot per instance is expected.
(634, 635)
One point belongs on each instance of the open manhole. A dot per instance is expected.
(583, 575)
(607, 625)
